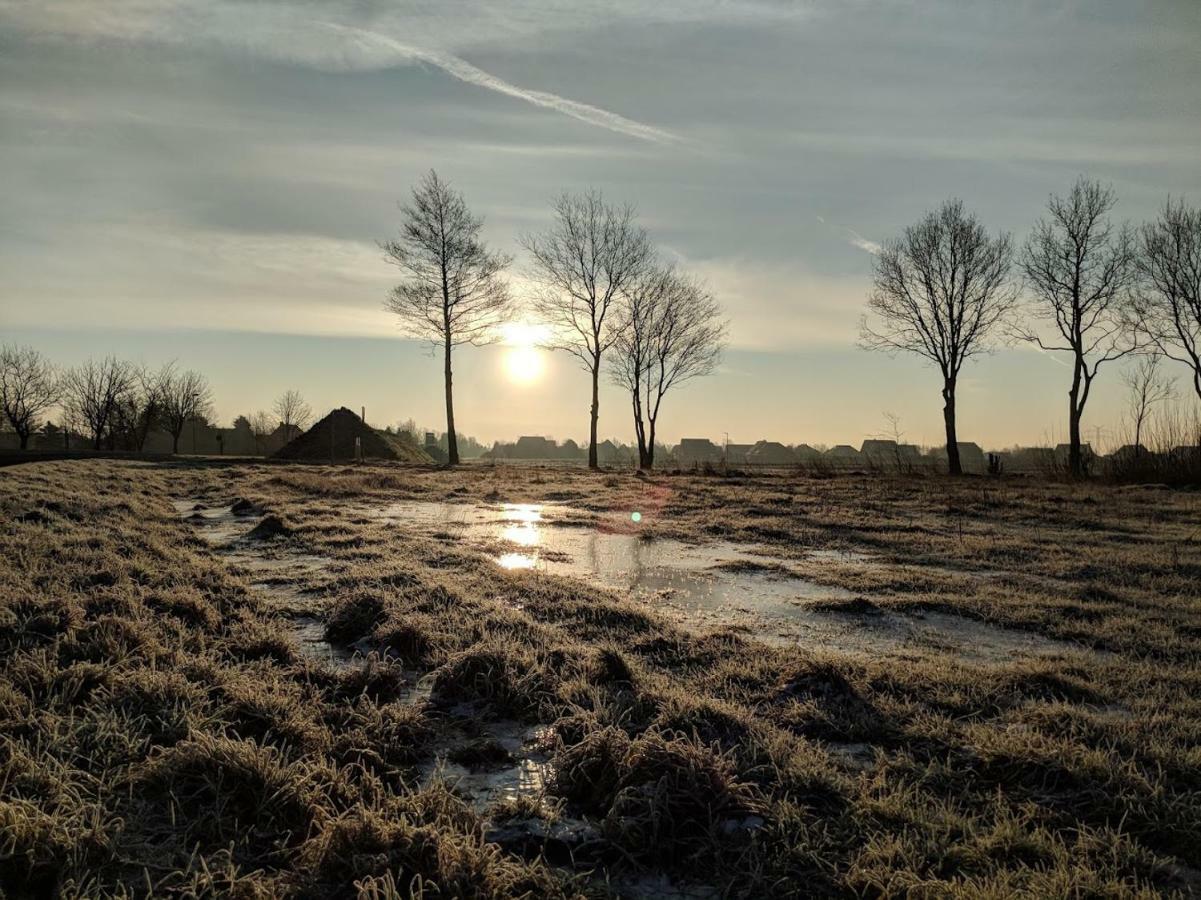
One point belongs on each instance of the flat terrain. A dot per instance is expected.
(382, 682)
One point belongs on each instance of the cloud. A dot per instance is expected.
(378, 46)
(856, 239)
(287, 34)
(780, 307)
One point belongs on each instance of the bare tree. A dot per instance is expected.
(92, 392)
(141, 407)
(1168, 304)
(940, 291)
(187, 397)
(1147, 388)
(293, 412)
(670, 331)
(452, 292)
(261, 426)
(583, 263)
(29, 385)
(1079, 269)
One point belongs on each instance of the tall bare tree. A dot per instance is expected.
(141, 407)
(1168, 303)
(583, 263)
(92, 392)
(670, 331)
(293, 411)
(186, 397)
(29, 386)
(452, 292)
(1079, 270)
(940, 291)
(1147, 388)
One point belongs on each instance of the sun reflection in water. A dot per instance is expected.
(515, 561)
(520, 523)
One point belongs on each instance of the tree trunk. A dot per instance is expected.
(1075, 467)
(24, 436)
(948, 415)
(593, 462)
(650, 448)
(452, 439)
(175, 443)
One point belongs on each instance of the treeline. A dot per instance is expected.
(1080, 284)
(601, 288)
(117, 404)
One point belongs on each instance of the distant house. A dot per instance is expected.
(770, 453)
(879, 452)
(888, 454)
(696, 451)
(971, 458)
(609, 454)
(1128, 452)
(736, 454)
(804, 453)
(843, 452)
(534, 447)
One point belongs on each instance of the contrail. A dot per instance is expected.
(466, 72)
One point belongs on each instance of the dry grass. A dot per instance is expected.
(162, 731)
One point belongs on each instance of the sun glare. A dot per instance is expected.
(524, 363)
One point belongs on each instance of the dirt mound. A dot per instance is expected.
(406, 448)
(333, 438)
(268, 529)
(244, 507)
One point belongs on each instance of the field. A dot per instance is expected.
(311, 681)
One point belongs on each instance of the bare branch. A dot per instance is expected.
(583, 266)
(670, 331)
(1167, 307)
(1080, 270)
(29, 386)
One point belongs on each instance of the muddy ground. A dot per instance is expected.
(378, 681)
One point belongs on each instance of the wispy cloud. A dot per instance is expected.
(378, 45)
(855, 238)
(284, 33)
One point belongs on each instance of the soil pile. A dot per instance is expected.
(334, 438)
(406, 447)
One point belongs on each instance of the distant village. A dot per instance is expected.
(242, 439)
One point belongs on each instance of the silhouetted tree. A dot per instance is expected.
(261, 426)
(186, 397)
(591, 253)
(1168, 304)
(453, 292)
(1079, 270)
(29, 385)
(940, 291)
(292, 411)
(141, 407)
(92, 392)
(1147, 388)
(670, 331)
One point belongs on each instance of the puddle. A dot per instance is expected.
(310, 634)
(522, 770)
(699, 586)
(621, 555)
(710, 585)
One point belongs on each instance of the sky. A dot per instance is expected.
(208, 182)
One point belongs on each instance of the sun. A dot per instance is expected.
(524, 363)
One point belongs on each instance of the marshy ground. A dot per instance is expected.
(386, 682)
